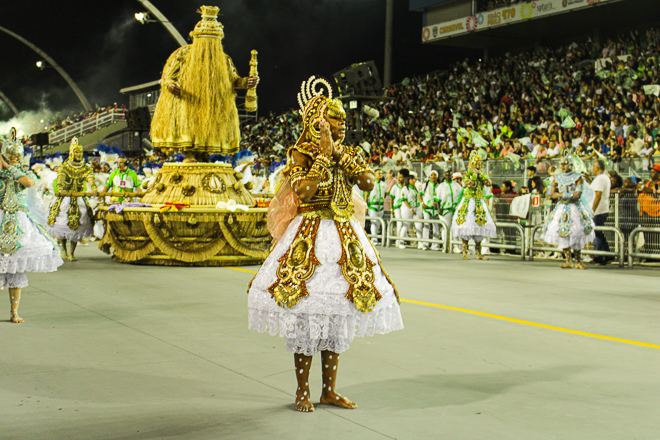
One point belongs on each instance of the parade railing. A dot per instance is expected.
(491, 244)
(392, 236)
(617, 253)
(86, 126)
(383, 229)
(631, 244)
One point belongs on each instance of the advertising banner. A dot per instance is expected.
(503, 16)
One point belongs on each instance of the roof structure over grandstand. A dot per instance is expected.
(528, 23)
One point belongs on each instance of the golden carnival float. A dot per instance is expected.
(194, 213)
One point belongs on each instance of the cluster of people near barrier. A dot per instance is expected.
(572, 203)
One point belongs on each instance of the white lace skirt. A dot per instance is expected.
(470, 229)
(576, 239)
(61, 227)
(37, 253)
(325, 319)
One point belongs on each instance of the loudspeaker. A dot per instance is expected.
(354, 137)
(139, 119)
(39, 138)
(359, 79)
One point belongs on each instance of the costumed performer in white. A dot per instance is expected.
(323, 283)
(396, 194)
(430, 208)
(25, 246)
(71, 218)
(473, 219)
(570, 226)
(376, 203)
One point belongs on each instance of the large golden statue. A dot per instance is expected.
(194, 213)
(196, 111)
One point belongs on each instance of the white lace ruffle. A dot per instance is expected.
(310, 347)
(577, 239)
(61, 227)
(13, 280)
(470, 229)
(37, 253)
(325, 318)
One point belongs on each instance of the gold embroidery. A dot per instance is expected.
(462, 212)
(72, 177)
(297, 265)
(479, 213)
(357, 270)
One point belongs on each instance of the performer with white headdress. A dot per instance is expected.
(71, 218)
(571, 224)
(25, 246)
(323, 283)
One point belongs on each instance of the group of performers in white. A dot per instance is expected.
(461, 202)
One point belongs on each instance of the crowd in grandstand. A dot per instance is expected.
(536, 106)
(59, 121)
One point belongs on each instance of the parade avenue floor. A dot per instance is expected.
(491, 350)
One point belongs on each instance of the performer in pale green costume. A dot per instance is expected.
(25, 246)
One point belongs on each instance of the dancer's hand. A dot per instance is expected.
(326, 144)
(252, 82)
(4, 163)
(174, 89)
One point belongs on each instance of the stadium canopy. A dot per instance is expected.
(528, 24)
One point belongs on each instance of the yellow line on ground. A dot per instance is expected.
(518, 321)
(534, 324)
(241, 270)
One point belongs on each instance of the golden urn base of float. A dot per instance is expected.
(183, 226)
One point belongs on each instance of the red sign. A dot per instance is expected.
(536, 200)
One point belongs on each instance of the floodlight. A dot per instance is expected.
(142, 17)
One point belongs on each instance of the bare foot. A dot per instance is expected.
(465, 257)
(302, 403)
(337, 400)
(17, 319)
(481, 257)
(580, 266)
(566, 266)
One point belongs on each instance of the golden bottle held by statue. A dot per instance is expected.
(251, 96)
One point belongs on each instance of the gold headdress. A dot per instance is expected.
(12, 146)
(314, 106)
(475, 161)
(209, 26)
(74, 147)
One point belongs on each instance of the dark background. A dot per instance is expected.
(103, 47)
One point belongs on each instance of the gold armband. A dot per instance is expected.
(351, 167)
(319, 169)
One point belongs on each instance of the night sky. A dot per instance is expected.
(103, 47)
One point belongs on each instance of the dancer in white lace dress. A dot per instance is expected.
(473, 220)
(571, 224)
(323, 283)
(72, 218)
(25, 246)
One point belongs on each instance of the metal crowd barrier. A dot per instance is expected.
(490, 244)
(443, 225)
(383, 229)
(616, 254)
(631, 241)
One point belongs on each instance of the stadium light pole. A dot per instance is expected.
(389, 21)
(9, 103)
(164, 21)
(81, 96)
